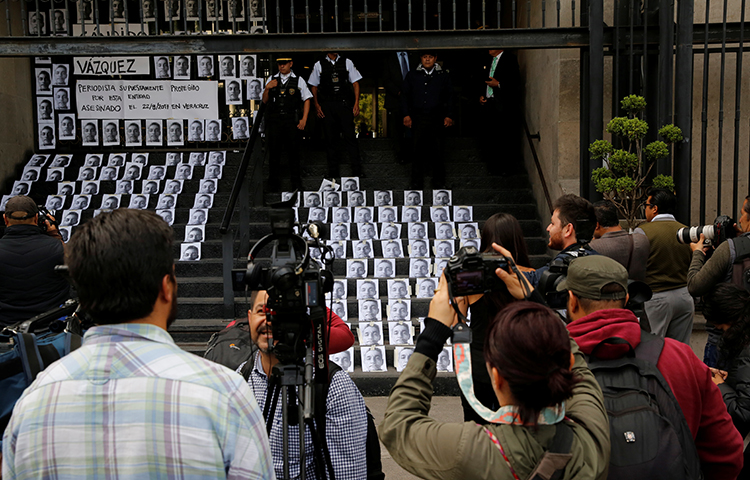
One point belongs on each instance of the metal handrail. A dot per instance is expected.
(254, 134)
(539, 169)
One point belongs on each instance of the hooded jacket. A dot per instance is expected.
(463, 451)
(718, 442)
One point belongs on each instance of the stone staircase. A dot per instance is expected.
(201, 302)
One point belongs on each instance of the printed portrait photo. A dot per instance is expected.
(139, 202)
(385, 268)
(366, 231)
(344, 359)
(111, 134)
(370, 330)
(362, 249)
(240, 130)
(69, 188)
(317, 214)
(46, 136)
(37, 23)
(182, 67)
(55, 174)
(167, 215)
(190, 252)
(390, 231)
(443, 248)
(363, 214)
(197, 159)
(463, 213)
(133, 137)
(339, 248)
(411, 214)
(62, 98)
(124, 187)
(441, 197)
(133, 171)
(198, 216)
(214, 10)
(195, 233)
(439, 214)
(150, 187)
(195, 130)
(444, 231)
(154, 133)
(166, 202)
(205, 66)
(203, 200)
(217, 157)
(38, 160)
(373, 359)
(367, 289)
(54, 202)
(445, 360)
(339, 289)
(340, 232)
(387, 214)
(355, 198)
(110, 173)
(413, 198)
(172, 9)
(356, 268)
(175, 133)
(71, 218)
(340, 309)
(400, 332)
(426, 287)
(61, 161)
(383, 198)
(419, 267)
(233, 92)
(174, 158)
(59, 17)
(110, 202)
(398, 289)
(392, 249)
(30, 174)
(183, 171)
(161, 67)
(401, 357)
(90, 133)
(342, 215)
(44, 109)
(247, 66)
(227, 66)
(331, 199)
(43, 81)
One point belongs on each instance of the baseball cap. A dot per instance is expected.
(21, 207)
(588, 275)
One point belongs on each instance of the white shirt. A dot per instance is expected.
(354, 75)
(301, 84)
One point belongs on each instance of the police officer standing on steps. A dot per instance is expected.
(288, 100)
(335, 88)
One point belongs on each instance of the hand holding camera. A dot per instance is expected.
(513, 279)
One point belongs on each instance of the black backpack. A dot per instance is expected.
(230, 347)
(372, 443)
(648, 432)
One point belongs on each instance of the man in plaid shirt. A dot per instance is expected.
(130, 404)
(346, 417)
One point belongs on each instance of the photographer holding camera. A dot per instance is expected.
(345, 414)
(723, 266)
(29, 253)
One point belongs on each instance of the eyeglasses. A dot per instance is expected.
(649, 205)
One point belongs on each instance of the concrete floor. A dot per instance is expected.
(448, 409)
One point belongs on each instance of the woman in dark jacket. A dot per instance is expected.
(728, 308)
(505, 230)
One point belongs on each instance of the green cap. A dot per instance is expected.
(588, 275)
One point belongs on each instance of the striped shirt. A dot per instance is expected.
(346, 429)
(131, 404)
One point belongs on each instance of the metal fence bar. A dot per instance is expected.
(558, 13)
(645, 48)
(683, 112)
(484, 13)
(455, 10)
(380, 15)
(720, 137)
(351, 16)
(631, 15)
(395, 16)
(528, 13)
(291, 14)
(544, 13)
(440, 14)
(278, 17)
(513, 11)
(307, 15)
(409, 16)
(573, 12)
(424, 14)
(737, 112)
(616, 58)
(127, 19)
(666, 47)
(499, 9)
(468, 15)
(96, 17)
(366, 16)
(322, 28)
(704, 120)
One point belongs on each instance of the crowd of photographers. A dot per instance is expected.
(537, 391)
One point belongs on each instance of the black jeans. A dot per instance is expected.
(338, 123)
(282, 133)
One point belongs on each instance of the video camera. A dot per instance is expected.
(720, 230)
(556, 273)
(45, 216)
(296, 287)
(469, 272)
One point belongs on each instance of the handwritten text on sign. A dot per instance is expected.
(135, 99)
(111, 65)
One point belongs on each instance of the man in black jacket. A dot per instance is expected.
(427, 105)
(29, 284)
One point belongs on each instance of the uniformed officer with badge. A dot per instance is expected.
(288, 104)
(334, 82)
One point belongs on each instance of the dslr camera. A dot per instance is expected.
(296, 286)
(720, 230)
(556, 273)
(44, 216)
(469, 272)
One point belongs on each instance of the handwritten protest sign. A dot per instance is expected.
(135, 99)
(111, 65)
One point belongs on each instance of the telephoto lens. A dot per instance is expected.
(693, 234)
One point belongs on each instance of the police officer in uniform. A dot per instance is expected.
(335, 88)
(288, 100)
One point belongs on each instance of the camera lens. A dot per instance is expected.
(692, 234)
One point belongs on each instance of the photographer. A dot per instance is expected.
(29, 284)
(597, 293)
(705, 273)
(345, 417)
(534, 366)
(570, 229)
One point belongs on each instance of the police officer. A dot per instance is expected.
(288, 100)
(335, 88)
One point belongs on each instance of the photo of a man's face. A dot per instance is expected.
(234, 92)
(254, 89)
(247, 66)
(194, 234)
(445, 361)
(419, 267)
(444, 230)
(54, 202)
(439, 214)
(227, 66)
(367, 289)
(239, 128)
(90, 133)
(462, 214)
(383, 197)
(43, 81)
(190, 252)
(412, 198)
(198, 217)
(213, 131)
(411, 214)
(363, 214)
(111, 133)
(312, 199)
(205, 66)
(402, 357)
(214, 10)
(184, 172)
(67, 127)
(373, 360)
(153, 133)
(161, 67)
(44, 109)
(332, 199)
(443, 249)
(339, 289)
(392, 249)
(356, 199)
(340, 232)
(62, 99)
(441, 197)
(37, 23)
(213, 172)
(390, 231)
(426, 288)
(371, 333)
(418, 248)
(397, 289)
(317, 214)
(363, 249)
(343, 360)
(366, 231)
(356, 268)
(175, 133)
(350, 183)
(110, 202)
(46, 137)
(182, 67)
(166, 202)
(384, 268)
(399, 331)
(341, 215)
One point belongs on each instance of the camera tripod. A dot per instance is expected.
(295, 382)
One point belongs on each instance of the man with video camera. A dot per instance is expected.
(345, 415)
(29, 254)
(570, 229)
(725, 264)
(597, 290)
(130, 403)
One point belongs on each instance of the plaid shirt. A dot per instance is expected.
(131, 404)
(346, 429)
